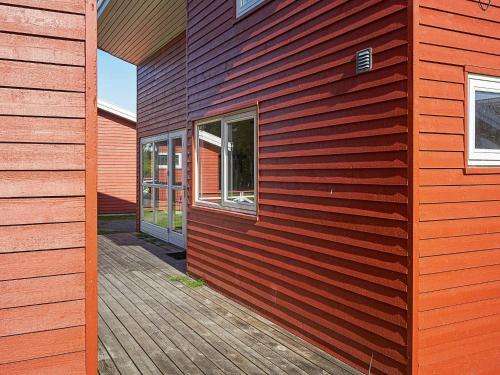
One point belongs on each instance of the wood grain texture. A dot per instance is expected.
(41, 22)
(161, 90)
(19, 320)
(327, 256)
(28, 292)
(64, 364)
(459, 214)
(41, 344)
(41, 263)
(43, 153)
(38, 49)
(117, 162)
(41, 129)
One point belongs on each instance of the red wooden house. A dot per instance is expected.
(117, 160)
(341, 166)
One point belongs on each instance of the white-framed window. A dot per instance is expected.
(226, 167)
(484, 120)
(243, 6)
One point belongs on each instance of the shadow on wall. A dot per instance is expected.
(108, 204)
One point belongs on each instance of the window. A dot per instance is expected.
(243, 6)
(226, 167)
(484, 120)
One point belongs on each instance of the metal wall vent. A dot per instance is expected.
(364, 60)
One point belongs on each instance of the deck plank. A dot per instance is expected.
(151, 325)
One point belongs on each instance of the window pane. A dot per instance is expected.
(209, 162)
(177, 163)
(147, 204)
(240, 163)
(177, 214)
(161, 206)
(161, 162)
(147, 170)
(487, 120)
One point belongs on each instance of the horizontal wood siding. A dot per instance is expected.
(116, 170)
(161, 90)
(326, 257)
(459, 228)
(42, 187)
(161, 95)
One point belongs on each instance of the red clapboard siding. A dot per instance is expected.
(46, 132)
(116, 169)
(459, 213)
(327, 256)
(161, 90)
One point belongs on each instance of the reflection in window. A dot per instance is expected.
(161, 207)
(177, 218)
(147, 162)
(147, 204)
(240, 163)
(161, 162)
(209, 162)
(226, 162)
(483, 120)
(176, 170)
(487, 120)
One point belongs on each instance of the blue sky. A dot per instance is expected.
(116, 81)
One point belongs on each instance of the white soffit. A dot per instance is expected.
(133, 30)
(117, 111)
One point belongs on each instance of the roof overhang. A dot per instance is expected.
(135, 30)
(117, 111)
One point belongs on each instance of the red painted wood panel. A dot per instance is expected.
(45, 91)
(117, 162)
(326, 256)
(459, 213)
(161, 90)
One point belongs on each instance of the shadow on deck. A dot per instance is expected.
(150, 325)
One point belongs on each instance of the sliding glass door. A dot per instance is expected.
(163, 206)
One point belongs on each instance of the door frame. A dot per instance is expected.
(166, 234)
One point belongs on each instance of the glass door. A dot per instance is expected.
(177, 189)
(162, 181)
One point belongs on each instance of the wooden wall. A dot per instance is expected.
(47, 151)
(117, 162)
(161, 96)
(326, 257)
(161, 90)
(459, 212)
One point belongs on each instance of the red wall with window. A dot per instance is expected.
(458, 235)
(326, 254)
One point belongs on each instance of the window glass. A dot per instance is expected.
(161, 207)
(240, 161)
(176, 167)
(209, 162)
(487, 120)
(147, 204)
(177, 218)
(161, 162)
(243, 6)
(226, 162)
(147, 163)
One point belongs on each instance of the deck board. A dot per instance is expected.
(150, 325)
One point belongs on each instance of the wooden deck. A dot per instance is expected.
(150, 325)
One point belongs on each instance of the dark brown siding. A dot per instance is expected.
(459, 228)
(43, 106)
(116, 155)
(327, 255)
(161, 90)
(161, 94)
